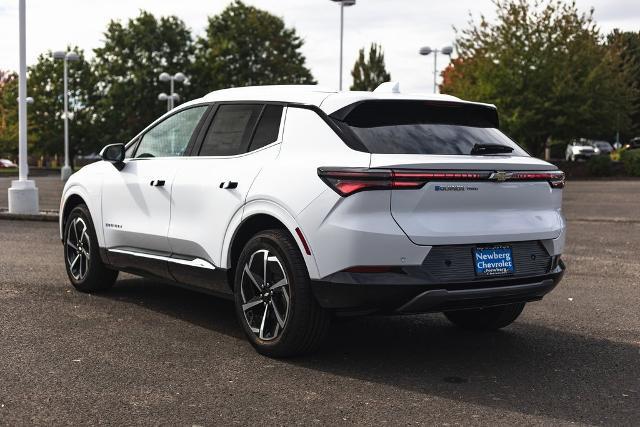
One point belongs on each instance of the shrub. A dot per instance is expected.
(631, 161)
(599, 166)
(615, 154)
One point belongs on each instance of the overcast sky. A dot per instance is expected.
(401, 26)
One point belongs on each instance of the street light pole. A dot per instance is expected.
(172, 97)
(343, 3)
(426, 50)
(23, 193)
(341, 41)
(66, 170)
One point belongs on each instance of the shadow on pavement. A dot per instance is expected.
(527, 368)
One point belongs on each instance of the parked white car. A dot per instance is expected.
(579, 149)
(301, 204)
(6, 163)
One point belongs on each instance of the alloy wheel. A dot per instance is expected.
(265, 293)
(78, 248)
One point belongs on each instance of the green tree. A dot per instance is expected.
(369, 74)
(543, 64)
(8, 114)
(45, 85)
(127, 69)
(627, 44)
(246, 46)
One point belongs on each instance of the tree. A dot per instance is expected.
(627, 45)
(246, 46)
(368, 75)
(45, 85)
(543, 64)
(8, 113)
(127, 69)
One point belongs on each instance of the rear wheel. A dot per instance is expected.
(273, 297)
(491, 318)
(84, 267)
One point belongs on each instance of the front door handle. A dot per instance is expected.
(157, 183)
(228, 185)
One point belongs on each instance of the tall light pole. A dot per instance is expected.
(172, 97)
(23, 193)
(426, 50)
(343, 3)
(66, 170)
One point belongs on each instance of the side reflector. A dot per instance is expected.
(304, 242)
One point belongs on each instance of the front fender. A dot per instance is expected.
(88, 187)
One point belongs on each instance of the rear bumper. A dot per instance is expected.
(411, 297)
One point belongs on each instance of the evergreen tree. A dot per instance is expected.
(369, 74)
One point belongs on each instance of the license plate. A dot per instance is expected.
(493, 261)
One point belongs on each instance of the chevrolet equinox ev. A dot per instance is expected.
(302, 204)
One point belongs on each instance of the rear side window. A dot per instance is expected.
(422, 127)
(230, 130)
(268, 127)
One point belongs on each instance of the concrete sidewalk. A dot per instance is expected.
(49, 190)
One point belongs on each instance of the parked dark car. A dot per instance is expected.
(634, 143)
(601, 147)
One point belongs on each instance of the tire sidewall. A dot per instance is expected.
(267, 241)
(94, 251)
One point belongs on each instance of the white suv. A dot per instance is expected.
(302, 204)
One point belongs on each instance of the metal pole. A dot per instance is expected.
(435, 65)
(23, 193)
(341, 39)
(66, 116)
(23, 170)
(171, 96)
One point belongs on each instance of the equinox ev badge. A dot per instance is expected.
(454, 188)
(500, 176)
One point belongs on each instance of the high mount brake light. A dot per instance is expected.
(348, 181)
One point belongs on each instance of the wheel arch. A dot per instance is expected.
(73, 197)
(258, 216)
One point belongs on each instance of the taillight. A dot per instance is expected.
(348, 181)
(554, 178)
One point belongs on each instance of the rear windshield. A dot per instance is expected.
(422, 127)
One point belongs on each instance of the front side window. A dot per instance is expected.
(422, 127)
(170, 137)
(230, 130)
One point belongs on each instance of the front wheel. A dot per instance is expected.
(84, 267)
(491, 318)
(273, 297)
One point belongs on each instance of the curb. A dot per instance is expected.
(46, 215)
(610, 220)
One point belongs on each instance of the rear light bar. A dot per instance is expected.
(348, 181)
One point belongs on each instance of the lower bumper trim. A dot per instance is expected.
(424, 298)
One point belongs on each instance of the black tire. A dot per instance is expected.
(305, 323)
(87, 274)
(486, 319)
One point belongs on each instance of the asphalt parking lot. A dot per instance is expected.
(149, 353)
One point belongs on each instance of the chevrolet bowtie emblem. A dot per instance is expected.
(500, 176)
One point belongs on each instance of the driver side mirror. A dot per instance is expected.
(114, 154)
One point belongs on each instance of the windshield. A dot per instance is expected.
(421, 127)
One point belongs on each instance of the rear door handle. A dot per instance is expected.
(228, 185)
(157, 183)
